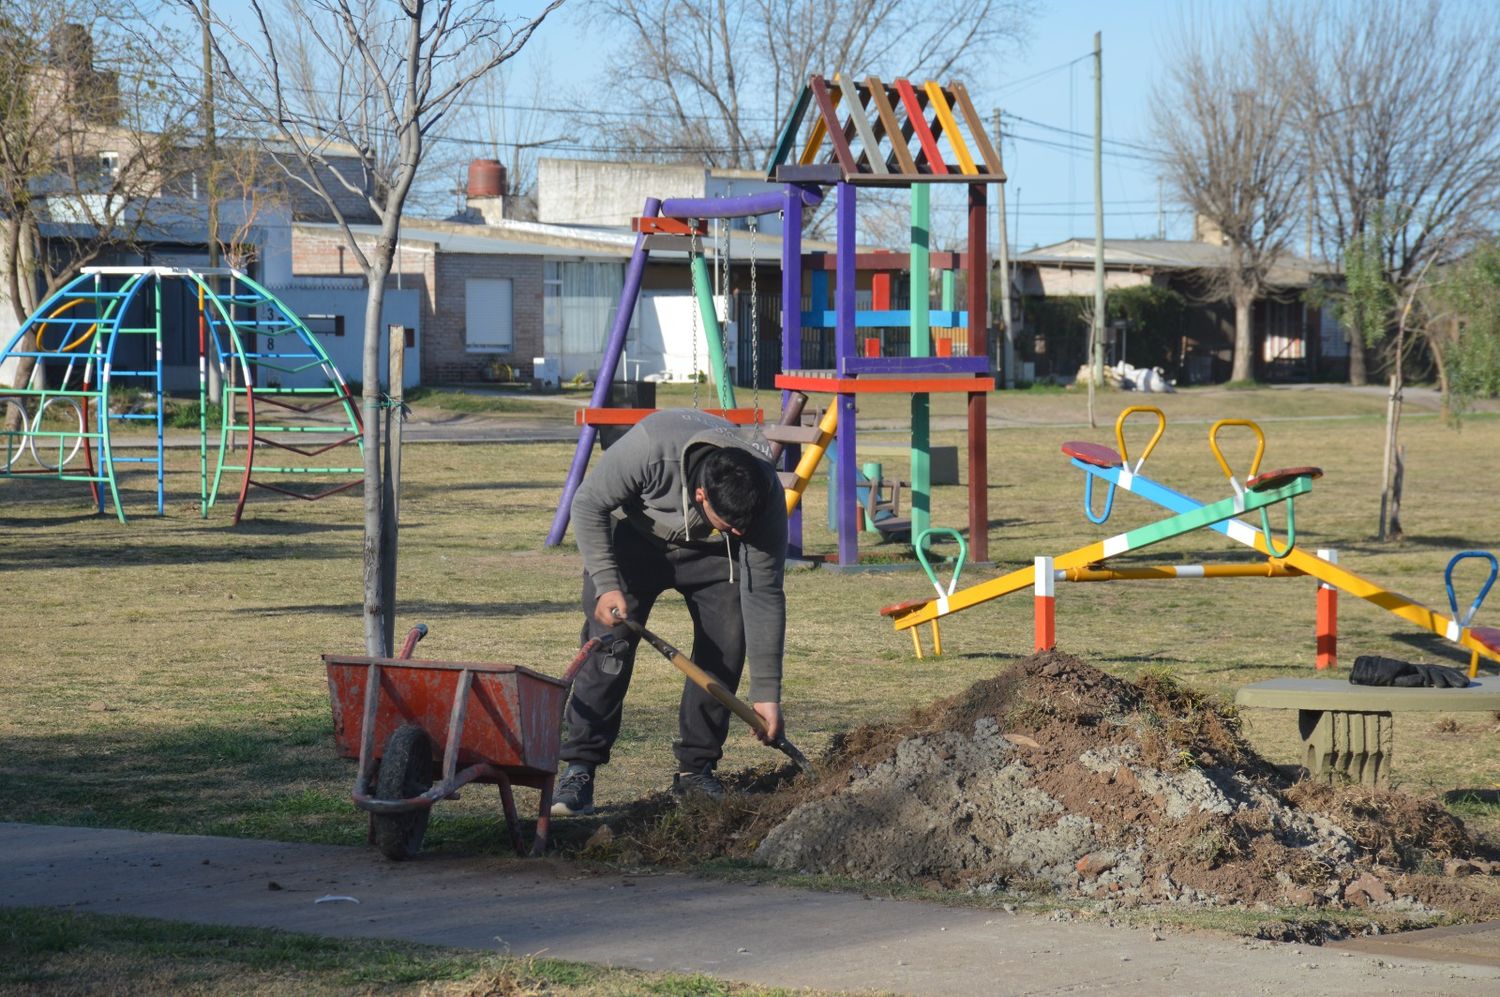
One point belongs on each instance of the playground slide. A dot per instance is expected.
(910, 614)
(1478, 640)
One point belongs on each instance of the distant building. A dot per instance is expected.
(1294, 339)
(509, 280)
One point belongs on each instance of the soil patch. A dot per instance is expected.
(1057, 779)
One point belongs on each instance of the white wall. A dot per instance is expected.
(663, 348)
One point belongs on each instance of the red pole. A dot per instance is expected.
(1045, 587)
(1328, 617)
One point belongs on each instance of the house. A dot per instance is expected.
(507, 282)
(1295, 339)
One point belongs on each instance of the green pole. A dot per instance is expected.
(711, 332)
(921, 335)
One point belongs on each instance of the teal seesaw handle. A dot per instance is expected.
(958, 566)
(1291, 530)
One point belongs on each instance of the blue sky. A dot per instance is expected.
(1048, 83)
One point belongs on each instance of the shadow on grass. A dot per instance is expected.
(409, 491)
(1428, 645)
(279, 779)
(409, 608)
(155, 553)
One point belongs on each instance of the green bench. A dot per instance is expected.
(1347, 730)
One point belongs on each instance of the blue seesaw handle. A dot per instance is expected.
(1484, 590)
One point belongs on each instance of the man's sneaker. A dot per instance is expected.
(575, 792)
(705, 783)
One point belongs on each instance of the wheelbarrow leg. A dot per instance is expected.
(512, 819)
(544, 818)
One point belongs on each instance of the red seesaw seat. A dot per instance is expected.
(1092, 453)
(1267, 480)
(901, 607)
(1488, 636)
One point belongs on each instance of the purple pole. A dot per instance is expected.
(791, 329)
(736, 207)
(612, 350)
(850, 515)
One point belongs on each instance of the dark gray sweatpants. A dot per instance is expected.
(701, 574)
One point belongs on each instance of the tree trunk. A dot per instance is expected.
(1358, 373)
(1441, 366)
(375, 627)
(1244, 340)
(20, 289)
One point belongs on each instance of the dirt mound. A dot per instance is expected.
(1057, 778)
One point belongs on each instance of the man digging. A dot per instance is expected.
(680, 502)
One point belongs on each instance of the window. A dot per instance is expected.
(324, 325)
(109, 165)
(487, 316)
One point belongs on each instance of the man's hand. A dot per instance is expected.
(771, 714)
(609, 608)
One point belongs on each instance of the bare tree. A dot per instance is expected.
(347, 95)
(1398, 103)
(713, 80)
(1232, 155)
(88, 155)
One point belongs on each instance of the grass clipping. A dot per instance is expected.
(1055, 779)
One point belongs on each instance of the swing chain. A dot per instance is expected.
(754, 317)
(694, 248)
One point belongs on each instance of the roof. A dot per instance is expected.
(1167, 254)
(518, 238)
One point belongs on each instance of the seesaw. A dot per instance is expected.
(1263, 491)
(1115, 469)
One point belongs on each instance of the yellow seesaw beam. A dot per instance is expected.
(1356, 585)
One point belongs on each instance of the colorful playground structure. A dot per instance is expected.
(96, 348)
(1115, 469)
(850, 134)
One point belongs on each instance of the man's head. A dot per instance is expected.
(732, 488)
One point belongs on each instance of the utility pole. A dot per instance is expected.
(1008, 358)
(1096, 360)
(1161, 209)
(211, 154)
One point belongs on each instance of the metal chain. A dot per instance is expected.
(724, 292)
(693, 250)
(754, 317)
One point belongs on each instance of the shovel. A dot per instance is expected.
(716, 689)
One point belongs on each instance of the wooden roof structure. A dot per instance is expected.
(890, 134)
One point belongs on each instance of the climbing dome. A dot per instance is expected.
(95, 349)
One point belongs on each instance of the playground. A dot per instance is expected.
(167, 676)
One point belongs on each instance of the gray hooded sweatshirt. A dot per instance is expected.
(643, 479)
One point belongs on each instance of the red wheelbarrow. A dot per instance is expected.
(488, 723)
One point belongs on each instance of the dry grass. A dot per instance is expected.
(62, 952)
(165, 674)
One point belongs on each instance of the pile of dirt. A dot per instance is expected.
(1055, 778)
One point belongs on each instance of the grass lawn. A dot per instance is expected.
(69, 953)
(164, 675)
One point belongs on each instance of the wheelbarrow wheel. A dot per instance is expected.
(405, 771)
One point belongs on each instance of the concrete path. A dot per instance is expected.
(758, 934)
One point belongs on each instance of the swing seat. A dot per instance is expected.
(1267, 480)
(882, 507)
(1092, 453)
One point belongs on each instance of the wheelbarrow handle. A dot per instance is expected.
(413, 635)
